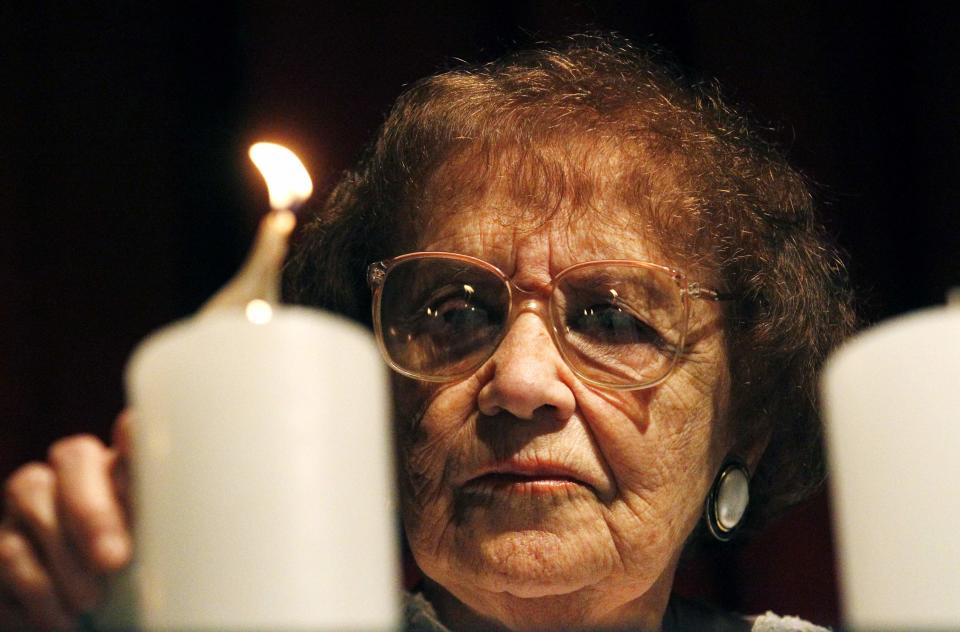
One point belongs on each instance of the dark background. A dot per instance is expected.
(126, 197)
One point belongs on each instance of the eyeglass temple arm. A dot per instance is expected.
(695, 290)
(376, 272)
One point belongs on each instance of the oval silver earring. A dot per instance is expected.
(728, 499)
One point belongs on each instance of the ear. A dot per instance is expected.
(753, 451)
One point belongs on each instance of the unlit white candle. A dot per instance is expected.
(891, 398)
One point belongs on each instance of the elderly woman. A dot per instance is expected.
(605, 301)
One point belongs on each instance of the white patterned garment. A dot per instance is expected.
(770, 622)
(420, 616)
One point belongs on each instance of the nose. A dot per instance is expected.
(527, 375)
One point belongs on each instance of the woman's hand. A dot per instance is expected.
(65, 526)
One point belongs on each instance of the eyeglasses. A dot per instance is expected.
(618, 324)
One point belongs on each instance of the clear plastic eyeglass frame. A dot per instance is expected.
(520, 300)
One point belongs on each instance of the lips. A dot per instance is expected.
(530, 475)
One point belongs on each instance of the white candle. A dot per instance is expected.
(263, 476)
(891, 397)
(262, 472)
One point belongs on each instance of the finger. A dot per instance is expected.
(88, 503)
(122, 429)
(120, 475)
(31, 503)
(22, 574)
(122, 442)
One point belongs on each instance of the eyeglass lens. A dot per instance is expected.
(616, 324)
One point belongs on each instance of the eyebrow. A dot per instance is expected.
(603, 278)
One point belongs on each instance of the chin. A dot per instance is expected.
(532, 563)
(535, 589)
(527, 547)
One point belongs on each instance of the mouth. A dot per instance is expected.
(521, 480)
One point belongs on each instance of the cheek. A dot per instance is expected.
(660, 446)
(431, 425)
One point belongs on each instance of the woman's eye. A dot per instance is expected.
(611, 324)
(456, 316)
(459, 314)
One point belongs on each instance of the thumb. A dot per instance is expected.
(122, 434)
(121, 448)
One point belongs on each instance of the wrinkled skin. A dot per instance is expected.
(598, 552)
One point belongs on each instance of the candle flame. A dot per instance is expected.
(257, 283)
(287, 179)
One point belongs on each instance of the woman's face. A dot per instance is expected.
(594, 491)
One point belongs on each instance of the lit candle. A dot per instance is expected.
(262, 473)
(289, 186)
